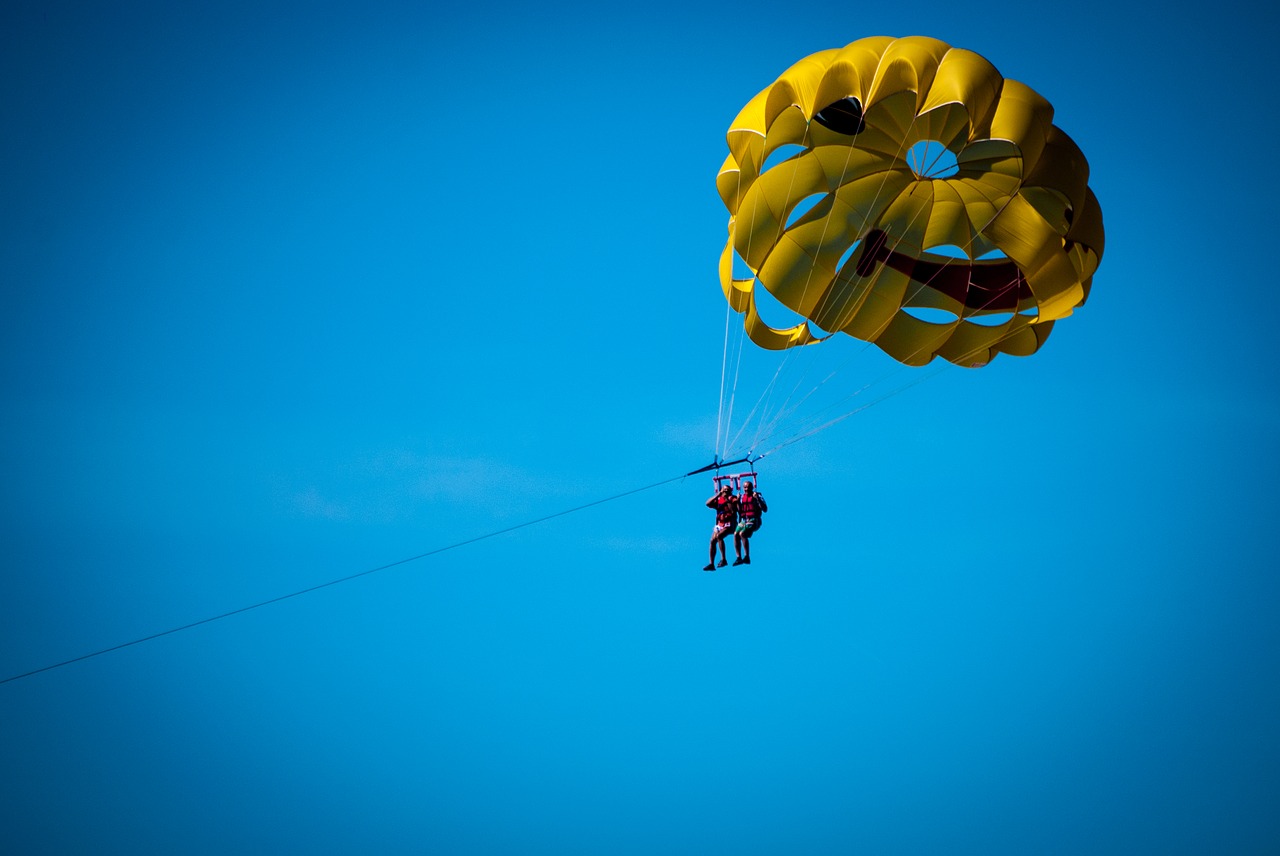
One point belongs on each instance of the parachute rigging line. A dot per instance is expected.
(345, 579)
(724, 363)
(785, 412)
(801, 433)
(837, 420)
(762, 401)
(768, 427)
(733, 347)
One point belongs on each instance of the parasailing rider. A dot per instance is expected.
(751, 508)
(726, 508)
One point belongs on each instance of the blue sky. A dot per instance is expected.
(297, 291)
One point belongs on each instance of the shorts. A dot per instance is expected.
(721, 529)
(748, 525)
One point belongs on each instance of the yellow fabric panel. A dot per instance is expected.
(791, 181)
(775, 340)
(972, 345)
(927, 298)
(768, 202)
(948, 217)
(977, 342)
(906, 218)
(1024, 235)
(864, 55)
(843, 79)
(843, 164)
(907, 65)
(729, 184)
(1020, 190)
(1056, 287)
(913, 342)
(736, 291)
(967, 79)
(996, 162)
(1022, 117)
(1085, 262)
(1052, 206)
(878, 298)
(947, 123)
(889, 123)
(798, 270)
(797, 85)
(982, 203)
(838, 306)
(864, 200)
(1063, 168)
(791, 127)
(746, 134)
(1086, 228)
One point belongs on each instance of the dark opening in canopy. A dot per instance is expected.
(843, 117)
(989, 286)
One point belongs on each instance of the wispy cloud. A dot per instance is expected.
(652, 544)
(310, 503)
(399, 484)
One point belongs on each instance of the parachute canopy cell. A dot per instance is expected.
(964, 263)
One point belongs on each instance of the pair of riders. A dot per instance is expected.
(739, 515)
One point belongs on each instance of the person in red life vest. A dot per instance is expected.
(751, 508)
(726, 508)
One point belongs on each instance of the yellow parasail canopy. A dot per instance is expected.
(852, 226)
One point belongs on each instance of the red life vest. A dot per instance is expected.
(750, 505)
(726, 510)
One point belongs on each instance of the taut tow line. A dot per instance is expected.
(345, 579)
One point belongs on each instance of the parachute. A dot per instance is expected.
(901, 191)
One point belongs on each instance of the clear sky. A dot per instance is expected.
(295, 291)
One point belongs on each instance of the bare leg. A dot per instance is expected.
(718, 538)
